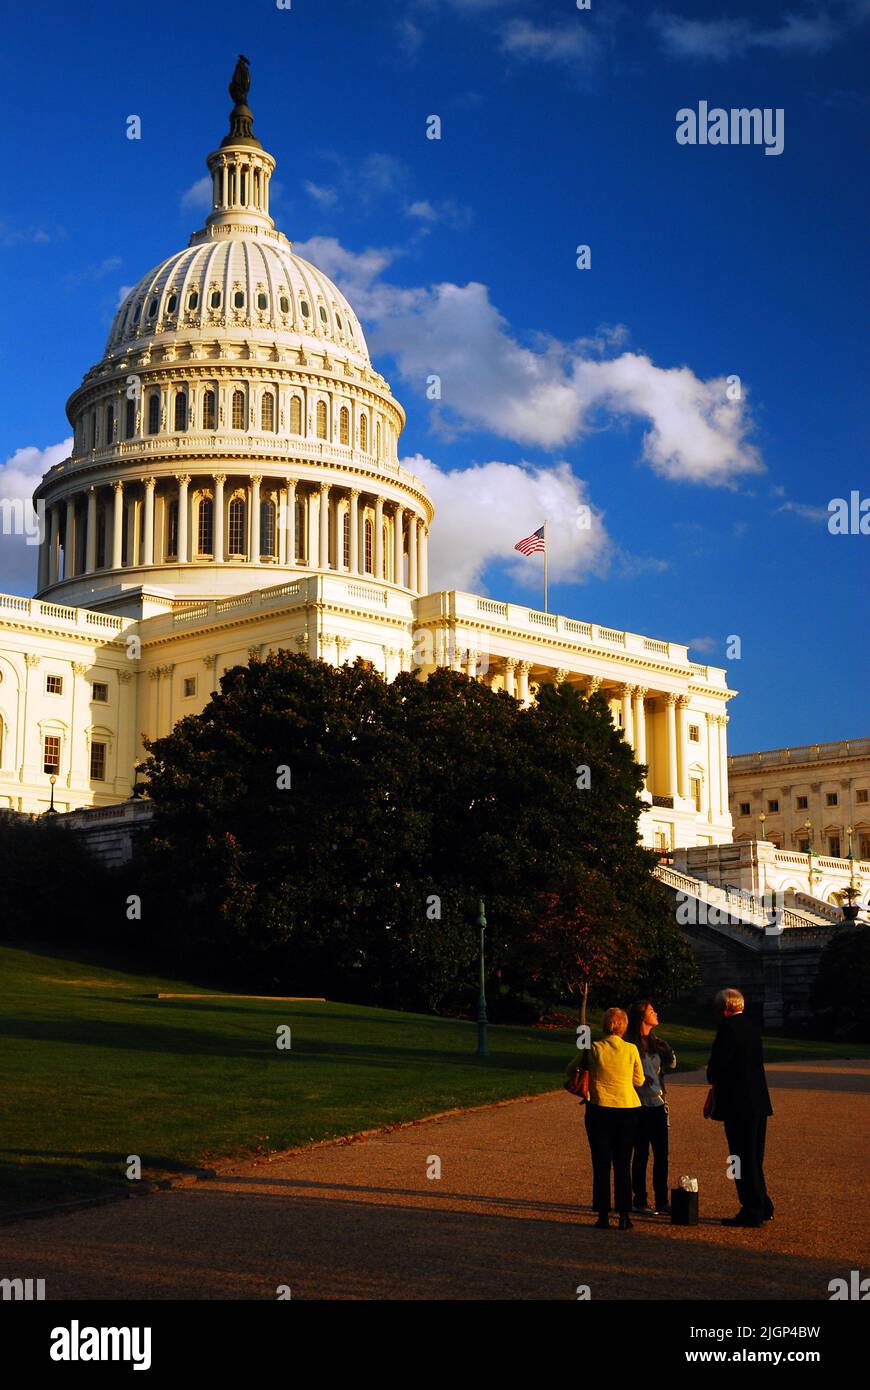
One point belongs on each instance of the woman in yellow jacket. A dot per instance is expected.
(614, 1069)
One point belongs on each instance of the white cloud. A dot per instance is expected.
(449, 212)
(19, 475)
(705, 645)
(549, 395)
(198, 195)
(327, 197)
(483, 510)
(812, 31)
(805, 511)
(563, 43)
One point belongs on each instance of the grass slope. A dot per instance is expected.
(97, 1069)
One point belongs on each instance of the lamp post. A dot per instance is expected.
(850, 908)
(51, 810)
(808, 827)
(763, 819)
(481, 998)
(137, 787)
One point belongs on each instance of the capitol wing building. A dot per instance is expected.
(235, 488)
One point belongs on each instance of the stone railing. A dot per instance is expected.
(737, 902)
(84, 619)
(471, 608)
(806, 753)
(318, 588)
(217, 445)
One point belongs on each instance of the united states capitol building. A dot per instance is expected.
(235, 488)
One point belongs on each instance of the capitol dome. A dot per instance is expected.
(235, 421)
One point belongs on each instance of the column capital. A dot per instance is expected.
(524, 666)
(148, 482)
(118, 486)
(671, 698)
(79, 668)
(182, 478)
(640, 692)
(31, 659)
(256, 478)
(562, 674)
(125, 677)
(593, 685)
(510, 663)
(209, 661)
(355, 493)
(220, 478)
(683, 701)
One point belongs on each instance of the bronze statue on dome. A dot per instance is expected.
(240, 82)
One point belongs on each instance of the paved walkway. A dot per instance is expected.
(508, 1217)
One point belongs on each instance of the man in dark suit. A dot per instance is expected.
(742, 1102)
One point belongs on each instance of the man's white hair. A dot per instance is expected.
(730, 999)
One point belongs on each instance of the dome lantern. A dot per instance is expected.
(240, 170)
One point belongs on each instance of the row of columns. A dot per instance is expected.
(327, 506)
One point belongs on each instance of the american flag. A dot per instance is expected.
(530, 544)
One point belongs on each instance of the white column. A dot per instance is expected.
(183, 509)
(640, 727)
(413, 522)
(118, 526)
(131, 531)
(379, 537)
(91, 534)
(218, 527)
(673, 776)
(148, 557)
(324, 526)
(683, 743)
(399, 548)
(254, 548)
(354, 530)
(471, 664)
(627, 721)
(45, 550)
(291, 522)
(282, 526)
(510, 667)
(313, 531)
(423, 574)
(523, 669)
(722, 721)
(69, 558)
(54, 544)
(711, 801)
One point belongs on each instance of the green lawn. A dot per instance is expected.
(96, 1068)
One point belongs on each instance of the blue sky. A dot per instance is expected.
(561, 388)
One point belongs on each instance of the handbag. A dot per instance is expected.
(710, 1104)
(577, 1084)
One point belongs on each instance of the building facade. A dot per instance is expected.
(809, 797)
(235, 488)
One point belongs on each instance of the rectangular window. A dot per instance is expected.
(832, 799)
(773, 805)
(98, 762)
(745, 808)
(834, 846)
(804, 846)
(801, 803)
(694, 733)
(861, 795)
(51, 754)
(100, 693)
(864, 846)
(189, 686)
(54, 685)
(696, 792)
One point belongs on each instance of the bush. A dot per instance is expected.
(841, 997)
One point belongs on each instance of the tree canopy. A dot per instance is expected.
(319, 827)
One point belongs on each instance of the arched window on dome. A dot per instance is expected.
(378, 439)
(344, 425)
(193, 300)
(321, 420)
(181, 410)
(236, 528)
(209, 411)
(295, 415)
(388, 564)
(92, 429)
(130, 418)
(205, 527)
(172, 529)
(110, 423)
(368, 565)
(267, 528)
(345, 541)
(363, 433)
(238, 410)
(154, 413)
(267, 412)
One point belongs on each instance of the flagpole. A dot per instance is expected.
(546, 558)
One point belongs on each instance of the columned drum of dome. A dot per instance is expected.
(234, 422)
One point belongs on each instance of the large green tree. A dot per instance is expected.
(328, 830)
